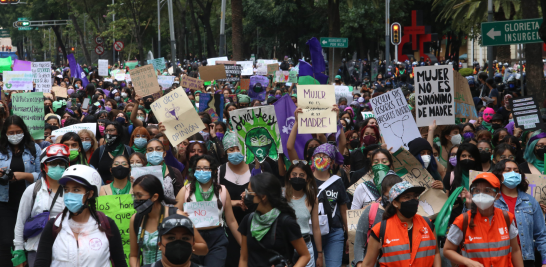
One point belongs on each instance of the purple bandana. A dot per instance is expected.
(538, 136)
(331, 151)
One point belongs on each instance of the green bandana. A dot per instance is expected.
(122, 191)
(487, 126)
(465, 178)
(539, 164)
(118, 151)
(203, 196)
(379, 171)
(147, 110)
(140, 150)
(261, 224)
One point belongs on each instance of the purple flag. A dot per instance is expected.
(21, 65)
(284, 109)
(307, 70)
(316, 55)
(76, 71)
(264, 81)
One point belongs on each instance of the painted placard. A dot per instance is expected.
(366, 115)
(212, 61)
(18, 80)
(434, 95)
(261, 65)
(191, 83)
(272, 68)
(293, 76)
(526, 113)
(203, 213)
(120, 77)
(165, 81)
(30, 107)
(317, 102)
(233, 73)
(343, 91)
(41, 73)
(103, 67)
(145, 82)
(248, 67)
(22, 65)
(75, 128)
(159, 63)
(465, 109)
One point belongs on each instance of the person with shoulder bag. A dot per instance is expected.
(41, 201)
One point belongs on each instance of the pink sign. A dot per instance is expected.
(21, 65)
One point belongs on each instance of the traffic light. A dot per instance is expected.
(72, 49)
(396, 33)
(22, 23)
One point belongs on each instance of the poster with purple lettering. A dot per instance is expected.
(317, 102)
(258, 92)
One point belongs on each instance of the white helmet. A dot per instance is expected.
(84, 175)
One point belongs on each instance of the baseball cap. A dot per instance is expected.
(488, 177)
(338, 77)
(174, 221)
(404, 186)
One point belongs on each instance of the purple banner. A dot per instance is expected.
(264, 81)
(284, 109)
(76, 71)
(21, 65)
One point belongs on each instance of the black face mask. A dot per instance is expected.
(496, 126)
(120, 172)
(297, 183)
(409, 208)
(249, 202)
(466, 164)
(354, 143)
(385, 201)
(539, 153)
(143, 206)
(347, 159)
(485, 157)
(147, 105)
(178, 252)
(110, 139)
(310, 152)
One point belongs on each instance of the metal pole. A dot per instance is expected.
(490, 48)
(171, 30)
(113, 37)
(222, 44)
(387, 32)
(49, 31)
(44, 49)
(256, 43)
(158, 29)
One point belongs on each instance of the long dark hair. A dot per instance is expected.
(306, 147)
(214, 178)
(475, 153)
(152, 186)
(75, 137)
(266, 184)
(498, 169)
(27, 142)
(495, 140)
(190, 161)
(447, 131)
(384, 152)
(310, 189)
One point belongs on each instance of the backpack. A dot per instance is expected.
(371, 218)
(282, 218)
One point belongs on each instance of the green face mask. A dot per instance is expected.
(129, 114)
(74, 154)
(55, 173)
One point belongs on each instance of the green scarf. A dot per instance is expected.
(261, 224)
(125, 190)
(163, 167)
(199, 193)
(465, 178)
(487, 126)
(140, 150)
(539, 164)
(118, 150)
(147, 110)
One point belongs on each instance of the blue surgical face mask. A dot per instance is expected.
(140, 142)
(155, 157)
(55, 173)
(73, 201)
(203, 176)
(511, 179)
(86, 145)
(235, 158)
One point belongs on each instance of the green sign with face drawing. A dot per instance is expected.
(257, 132)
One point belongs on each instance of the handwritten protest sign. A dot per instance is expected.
(257, 131)
(272, 68)
(120, 76)
(394, 118)
(410, 169)
(127, 77)
(153, 170)
(213, 72)
(159, 63)
(212, 61)
(30, 107)
(233, 73)
(464, 104)
(21, 65)
(17, 80)
(41, 73)
(120, 209)
(281, 76)
(245, 83)
(191, 83)
(75, 128)
(248, 67)
(366, 115)
(165, 81)
(434, 91)
(352, 222)
(261, 65)
(203, 213)
(60, 91)
(293, 76)
(317, 102)
(343, 91)
(178, 115)
(145, 82)
(526, 113)
(103, 67)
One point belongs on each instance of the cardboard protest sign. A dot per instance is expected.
(120, 77)
(5, 64)
(59, 91)
(434, 95)
(366, 115)
(120, 209)
(293, 76)
(431, 202)
(248, 67)
(317, 102)
(271, 68)
(212, 61)
(75, 128)
(256, 92)
(145, 82)
(526, 113)
(103, 67)
(464, 104)
(153, 170)
(245, 83)
(213, 72)
(191, 83)
(410, 169)
(352, 222)
(261, 65)
(127, 77)
(394, 118)
(30, 107)
(203, 213)
(159, 63)
(41, 73)
(18, 80)
(257, 131)
(343, 91)
(21, 65)
(178, 115)
(213, 104)
(233, 73)
(165, 81)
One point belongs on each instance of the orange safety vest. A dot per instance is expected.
(396, 250)
(487, 244)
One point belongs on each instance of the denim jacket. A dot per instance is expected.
(530, 223)
(32, 165)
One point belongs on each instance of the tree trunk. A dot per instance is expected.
(334, 30)
(57, 32)
(448, 44)
(237, 29)
(196, 28)
(503, 51)
(81, 39)
(542, 30)
(533, 55)
(181, 29)
(205, 19)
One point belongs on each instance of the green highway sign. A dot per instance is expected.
(334, 42)
(22, 19)
(511, 32)
(4, 35)
(25, 28)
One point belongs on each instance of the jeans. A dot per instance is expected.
(7, 222)
(312, 261)
(332, 245)
(217, 242)
(31, 257)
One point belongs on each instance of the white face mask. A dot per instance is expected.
(136, 165)
(456, 139)
(483, 201)
(426, 160)
(16, 138)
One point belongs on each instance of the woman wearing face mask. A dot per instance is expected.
(369, 134)
(121, 171)
(150, 213)
(301, 191)
(89, 143)
(138, 160)
(204, 187)
(20, 155)
(497, 245)
(448, 138)
(196, 147)
(371, 216)
(172, 178)
(44, 195)
(485, 155)
(422, 151)
(176, 241)
(514, 142)
(487, 120)
(361, 165)
(139, 117)
(503, 151)
(468, 131)
(110, 104)
(272, 232)
(103, 157)
(346, 116)
(367, 189)
(139, 139)
(534, 154)
(404, 237)
(66, 239)
(74, 143)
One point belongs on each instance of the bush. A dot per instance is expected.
(466, 71)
